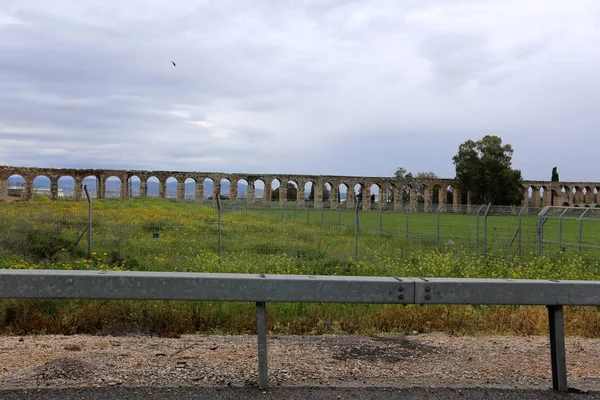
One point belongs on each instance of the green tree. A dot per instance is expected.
(483, 168)
(292, 192)
(554, 174)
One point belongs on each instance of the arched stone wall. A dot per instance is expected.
(572, 195)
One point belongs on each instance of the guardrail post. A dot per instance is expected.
(557, 348)
(261, 330)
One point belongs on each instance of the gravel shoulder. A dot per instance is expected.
(229, 363)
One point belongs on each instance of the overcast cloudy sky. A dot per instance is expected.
(314, 86)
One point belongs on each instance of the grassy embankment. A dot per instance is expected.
(43, 235)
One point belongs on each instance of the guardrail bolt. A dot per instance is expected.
(401, 296)
(427, 297)
(401, 289)
(427, 289)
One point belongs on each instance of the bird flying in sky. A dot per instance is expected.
(174, 63)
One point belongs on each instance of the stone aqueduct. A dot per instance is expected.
(535, 193)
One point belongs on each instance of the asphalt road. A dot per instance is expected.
(290, 393)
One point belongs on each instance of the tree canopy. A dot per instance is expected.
(554, 174)
(483, 168)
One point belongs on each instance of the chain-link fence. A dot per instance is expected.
(296, 230)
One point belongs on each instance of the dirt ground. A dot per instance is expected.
(428, 360)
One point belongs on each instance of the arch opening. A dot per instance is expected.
(190, 189)
(112, 188)
(242, 189)
(259, 189)
(152, 187)
(171, 186)
(207, 188)
(134, 186)
(16, 187)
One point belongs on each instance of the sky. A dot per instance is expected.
(328, 87)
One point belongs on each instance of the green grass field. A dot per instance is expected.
(147, 234)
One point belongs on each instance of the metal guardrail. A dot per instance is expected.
(261, 289)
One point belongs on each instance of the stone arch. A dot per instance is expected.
(291, 190)
(66, 187)
(327, 191)
(407, 195)
(449, 195)
(225, 191)
(112, 187)
(208, 187)
(343, 194)
(41, 185)
(554, 201)
(189, 189)
(134, 186)
(565, 195)
(275, 189)
(153, 186)
(171, 187)
(439, 196)
(421, 192)
(15, 187)
(259, 189)
(358, 190)
(577, 195)
(242, 188)
(374, 194)
(588, 195)
(309, 191)
(93, 184)
(596, 199)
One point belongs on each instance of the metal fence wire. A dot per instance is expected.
(479, 228)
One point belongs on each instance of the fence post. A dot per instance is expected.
(520, 230)
(219, 225)
(557, 348)
(560, 228)
(261, 330)
(439, 210)
(407, 233)
(477, 226)
(485, 217)
(581, 228)
(89, 221)
(356, 223)
(540, 230)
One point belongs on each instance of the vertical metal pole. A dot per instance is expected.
(560, 228)
(557, 348)
(519, 229)
(261, 330)
(438, 223)
(219, 224)
(89, 221)
(356, 222)
(477, 230)
(581, 228)
(485, 217)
